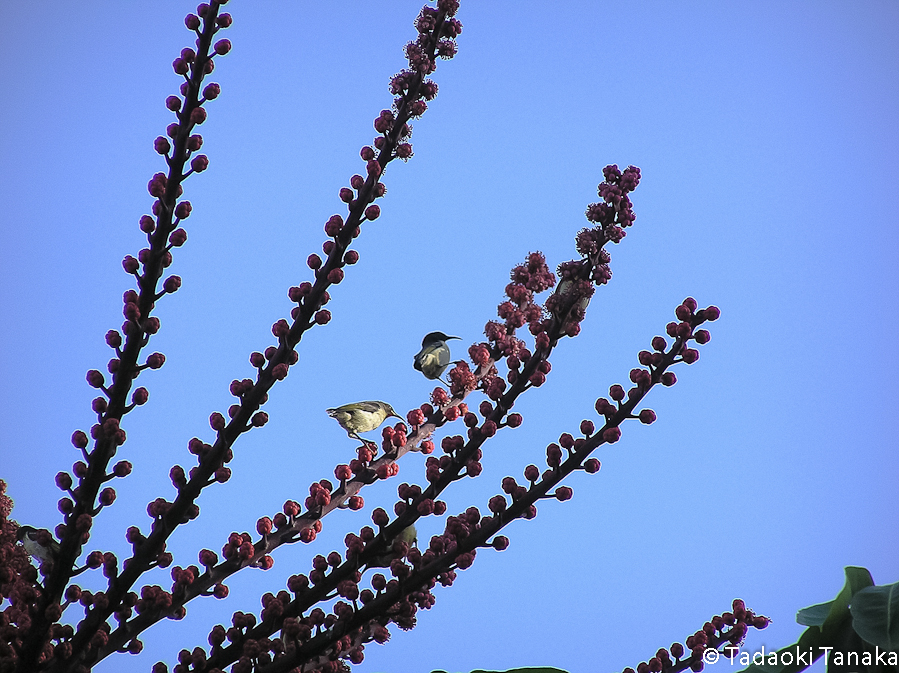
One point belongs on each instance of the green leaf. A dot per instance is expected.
(875, 615)
(856, 580)
(814, 615)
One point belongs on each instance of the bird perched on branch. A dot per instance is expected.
(362, 417)
(38, 544)
(407, 537)
(434, 356)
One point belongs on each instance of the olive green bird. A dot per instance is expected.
(362, 417)
(408, 536)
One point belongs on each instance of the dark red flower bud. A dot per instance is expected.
(113, 339)
(150, 326)
(64, 481)
(497, 504)
(488, 429)
(162, 145)
(683, 312)
(122, 468)
(404, 151)
(198, 114)
(264, 526)
(199, 163)
(500, 543)
(513, 420)
(564, 493)
(553, 455)
(172, 283)
(156, 360)
(702, 336)
(95, 379)
(612, 435)
(647, 416)
(211, 91)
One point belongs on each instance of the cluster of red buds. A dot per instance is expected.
(294, 628)
(37, 635)
(164, 230)
(725, 632)
(437, 30)
(291, 630)
(363, 614)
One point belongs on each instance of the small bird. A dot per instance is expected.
(362, 417)
(408, 536)
(434, 356)
(29, 537)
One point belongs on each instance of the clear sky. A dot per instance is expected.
(768, 139)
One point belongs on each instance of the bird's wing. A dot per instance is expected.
(419, 356)
(443, 356)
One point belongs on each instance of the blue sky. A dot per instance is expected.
(767, 137)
